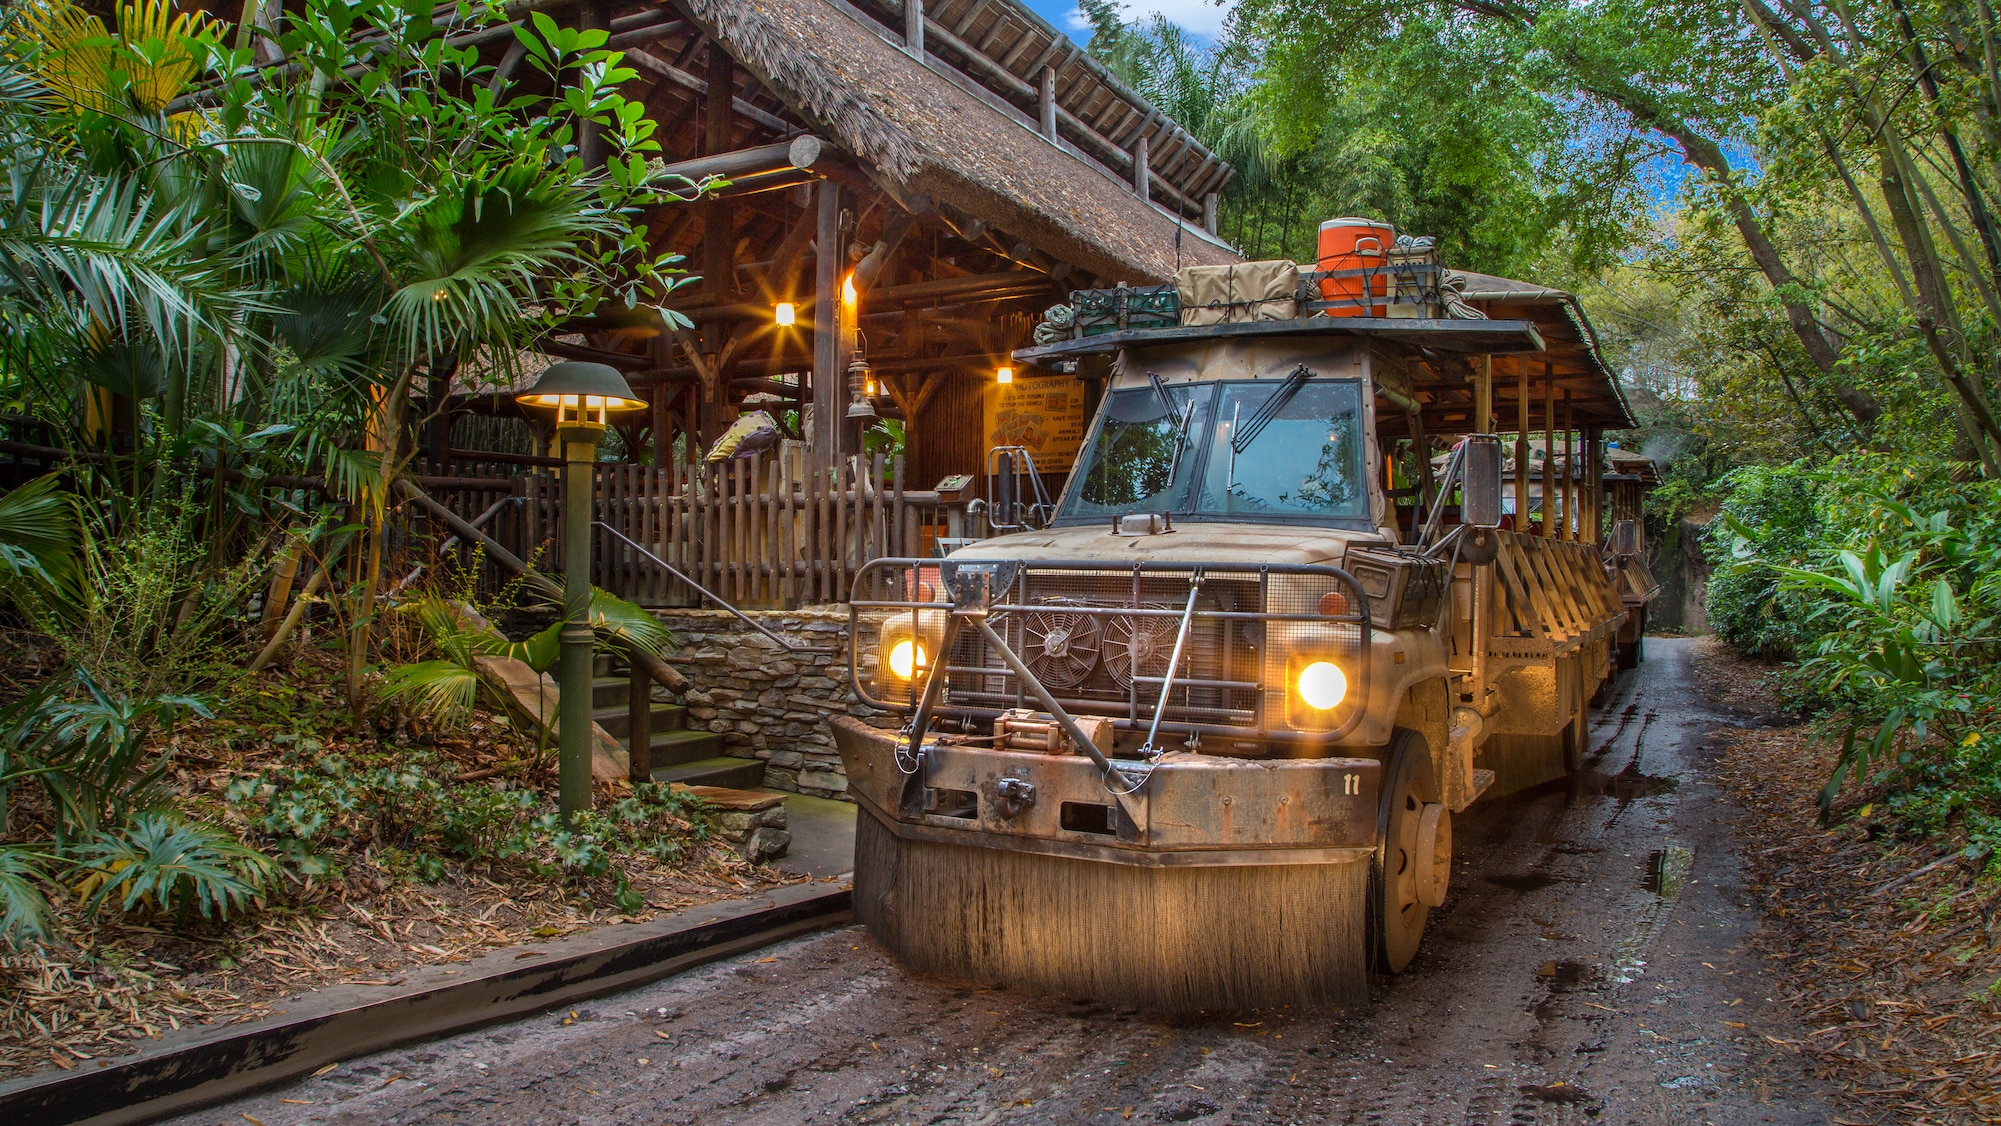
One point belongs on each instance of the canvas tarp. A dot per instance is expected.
(1249, 291)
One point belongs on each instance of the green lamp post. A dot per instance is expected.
(582, 394)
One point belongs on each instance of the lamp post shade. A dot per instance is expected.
(581, 392)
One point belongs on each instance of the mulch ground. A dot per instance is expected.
(1888, 940)
(113, 983)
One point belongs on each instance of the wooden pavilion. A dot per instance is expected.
(918, 184)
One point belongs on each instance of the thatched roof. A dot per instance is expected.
(920, 134)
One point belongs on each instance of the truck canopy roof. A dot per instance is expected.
(1536, 336)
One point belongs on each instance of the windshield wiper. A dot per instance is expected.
(1187, 413)
(1242, 439)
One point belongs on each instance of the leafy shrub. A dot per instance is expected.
(1772, 517)
(396, 801)
(1888, 582)
(168, 865)
(24, 910)
(95, 755)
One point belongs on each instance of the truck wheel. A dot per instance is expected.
(1413, 861)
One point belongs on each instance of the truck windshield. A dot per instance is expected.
(1306, 461)
(1140, 461)
(1200, 457)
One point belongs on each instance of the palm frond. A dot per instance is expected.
(355, 475)
(441, 690)
(627, 624)
(472, 254)
(40, 534)
(90, 250)
(538, 650)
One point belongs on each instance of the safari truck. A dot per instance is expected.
(1197, 743)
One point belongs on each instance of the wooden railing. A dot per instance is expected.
(1552, 593)
(762, 531)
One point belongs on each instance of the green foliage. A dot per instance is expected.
(1772, 518)
(95, 755)
(157, 603)
(40, 535)
(24, 911)
(444, 689)
(317, 803)
(1888, 580)
(165, 864)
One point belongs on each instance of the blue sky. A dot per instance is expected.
(1203, 17)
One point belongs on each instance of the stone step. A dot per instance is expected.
(754, 822)
(617, 722)
(677, 748)
(723, 770)
(610, 691)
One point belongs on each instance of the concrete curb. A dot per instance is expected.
(208, 1065)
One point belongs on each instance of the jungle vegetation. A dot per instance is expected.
(1781, 215)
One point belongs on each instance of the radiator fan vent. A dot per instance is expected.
(1061, 648)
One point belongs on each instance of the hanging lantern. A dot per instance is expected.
(861, 381)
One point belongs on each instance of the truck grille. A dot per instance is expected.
(1100, 639)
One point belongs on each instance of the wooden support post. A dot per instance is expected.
(1522, 412)
(1483, 396)
(1045, 103)
(639, 723)
(1142, 173)
(1594, 485)
(1569, 471)
(828, 407)
(718, 227)
(913, 27)
(1548, 447)
(1209, 206)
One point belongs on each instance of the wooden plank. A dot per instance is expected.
(900, 546)
(1520, 608)
(1538, 586)
(1563, 588)
(787, 531)
(841, 532)
(821, 557)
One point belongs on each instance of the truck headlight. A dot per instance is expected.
(906, 657)
(1322, 685)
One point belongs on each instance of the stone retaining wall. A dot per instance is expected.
(769, 703)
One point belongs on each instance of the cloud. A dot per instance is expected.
(1203, 17)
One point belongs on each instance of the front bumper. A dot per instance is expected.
(1192, 810)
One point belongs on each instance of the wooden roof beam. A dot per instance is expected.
(661, 69)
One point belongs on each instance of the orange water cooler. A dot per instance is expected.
(1359, 250)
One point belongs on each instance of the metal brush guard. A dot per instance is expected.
(977, 593)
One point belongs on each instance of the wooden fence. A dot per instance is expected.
(764, 531)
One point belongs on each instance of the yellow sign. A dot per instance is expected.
(1043, 413)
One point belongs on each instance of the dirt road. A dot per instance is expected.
(1591, 966)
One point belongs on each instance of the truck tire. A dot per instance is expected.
(1397, 889)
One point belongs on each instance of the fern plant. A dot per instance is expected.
(165, 864)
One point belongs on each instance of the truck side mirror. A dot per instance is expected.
(1480, 482)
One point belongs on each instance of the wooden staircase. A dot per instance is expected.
(692, 757)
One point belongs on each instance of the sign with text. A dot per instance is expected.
(1043, 413)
